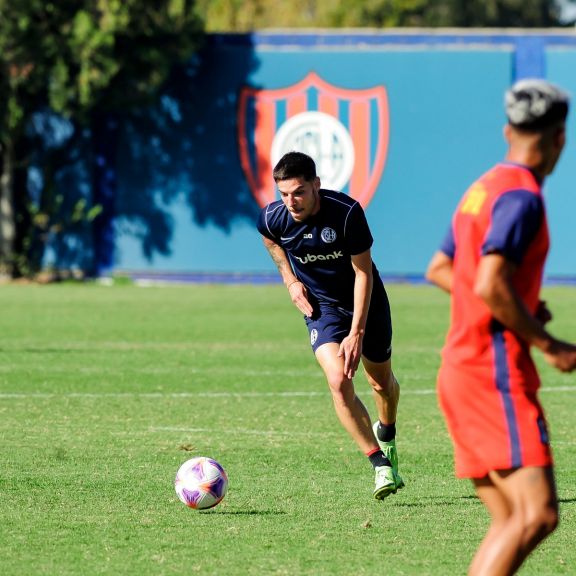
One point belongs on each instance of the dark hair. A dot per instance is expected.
(294, 165)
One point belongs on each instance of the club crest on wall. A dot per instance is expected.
(346, 132)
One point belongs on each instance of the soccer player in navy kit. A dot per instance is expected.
(320, 242)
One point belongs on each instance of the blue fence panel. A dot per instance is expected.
(560, 191)
(421, 114)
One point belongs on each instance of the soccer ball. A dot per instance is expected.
(201, 483)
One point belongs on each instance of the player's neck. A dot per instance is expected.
(532, 159)
(316, 207)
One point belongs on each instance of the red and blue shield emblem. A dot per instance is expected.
(345, 131)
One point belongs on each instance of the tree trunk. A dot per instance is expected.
(104, 185)
(7, 220)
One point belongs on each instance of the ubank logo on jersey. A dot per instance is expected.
(345, 131)
(320, 257)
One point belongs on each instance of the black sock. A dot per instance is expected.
(386, 432)
(377, 458)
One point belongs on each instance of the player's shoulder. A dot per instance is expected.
(273, 217)
(276, 209)
(506, 176)
(337, 199)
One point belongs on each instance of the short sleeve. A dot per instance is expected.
(448, 245)
(516, 219)
(263, 224)
(357, 232)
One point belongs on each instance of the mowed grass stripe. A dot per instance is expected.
(157, 395)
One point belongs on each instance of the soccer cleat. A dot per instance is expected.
(389, 450)
(385, 482)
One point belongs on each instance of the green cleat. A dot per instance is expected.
(385, 483)
(389, 449)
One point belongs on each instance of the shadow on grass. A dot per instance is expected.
(456, 500)
(246, 512)
(438, 501)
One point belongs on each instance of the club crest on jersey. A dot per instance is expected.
(344, 130)
(313, 336)
(328, 235)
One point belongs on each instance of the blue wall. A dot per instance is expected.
(185, 203)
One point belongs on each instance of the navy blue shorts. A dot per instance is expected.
(332, 324)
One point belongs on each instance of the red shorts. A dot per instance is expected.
(493, 427)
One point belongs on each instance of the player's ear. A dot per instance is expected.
(560, 136)
(317, 183)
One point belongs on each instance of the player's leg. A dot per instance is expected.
(385, 388)
(500, 511)
(530, 496)
(355, 418)
(376, 358)
(349, 408)
(386, 393)
(326, 332)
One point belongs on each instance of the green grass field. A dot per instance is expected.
(104, 392)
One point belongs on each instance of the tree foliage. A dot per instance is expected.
(77, 55)
(74, 57)
(244, 15)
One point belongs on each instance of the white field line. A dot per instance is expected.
(296, 394)
(177, 394)
(244, 431)
(159, 394)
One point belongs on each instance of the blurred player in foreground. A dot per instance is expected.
(320, 241)
(491, 263)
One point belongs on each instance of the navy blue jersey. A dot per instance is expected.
(320, 248)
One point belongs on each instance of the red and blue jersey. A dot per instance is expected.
(503, 212)
(487, 383)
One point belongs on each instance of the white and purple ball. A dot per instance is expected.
(201, 483)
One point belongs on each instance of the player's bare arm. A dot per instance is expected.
(543, 314)
(296, 289)
(351, 346)
(439, 271)
(494, 285)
